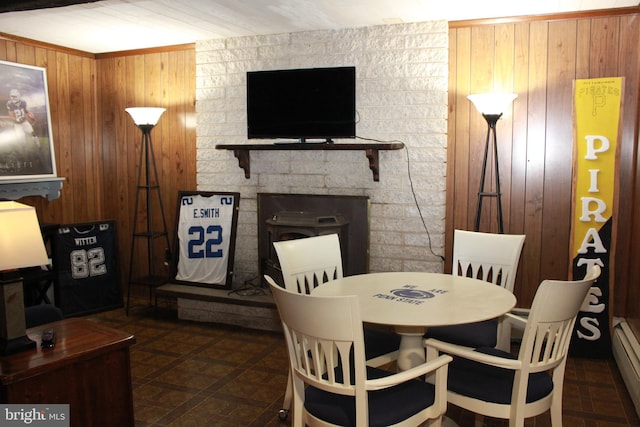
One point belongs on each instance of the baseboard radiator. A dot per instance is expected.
(626, 352)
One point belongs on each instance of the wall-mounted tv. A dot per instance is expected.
(302, 104)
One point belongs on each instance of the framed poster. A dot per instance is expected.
(206, 224)
(26, 142)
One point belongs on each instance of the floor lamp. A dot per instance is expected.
(146, 118)
(21, 246)
(491, 106)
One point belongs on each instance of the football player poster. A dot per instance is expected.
(26, 143)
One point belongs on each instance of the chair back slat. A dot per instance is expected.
(303, 273)
(306, 281)
(550, 344)
(498, 274)
(486, 256)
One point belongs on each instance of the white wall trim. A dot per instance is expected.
(626, 352)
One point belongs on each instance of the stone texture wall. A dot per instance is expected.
(401, 95)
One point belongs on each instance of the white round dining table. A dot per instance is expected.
(411, 302)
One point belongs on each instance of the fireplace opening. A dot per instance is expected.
(295, 216)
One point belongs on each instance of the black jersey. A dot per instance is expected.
(19, 110)
(85, 260)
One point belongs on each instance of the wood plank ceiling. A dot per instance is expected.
(119, 25)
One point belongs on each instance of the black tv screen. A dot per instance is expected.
(312, 103)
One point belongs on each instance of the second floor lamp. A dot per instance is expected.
(491, 106)
(146, 118)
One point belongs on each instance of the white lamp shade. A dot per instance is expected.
(145, 115)
(492, 103)
(21, 243)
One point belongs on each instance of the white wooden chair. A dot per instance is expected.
(494, 383)
(333, 386)
(308, 263)
(490, 257)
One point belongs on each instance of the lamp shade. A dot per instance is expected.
(148, 116)
(21, 243)
(492, 103)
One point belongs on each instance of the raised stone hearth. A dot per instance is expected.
(201, 304)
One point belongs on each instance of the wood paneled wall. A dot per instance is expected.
(538, 60)
(150, 79)
(97, 145)
(72, 98)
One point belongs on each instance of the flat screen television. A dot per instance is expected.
(302, 104)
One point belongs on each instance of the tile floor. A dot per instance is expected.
(192, 374)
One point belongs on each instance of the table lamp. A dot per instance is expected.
(491, 106)
(21, 246)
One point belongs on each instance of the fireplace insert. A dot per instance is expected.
(295, 216)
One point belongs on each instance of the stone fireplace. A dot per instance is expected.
(401, 76)
(295, 216)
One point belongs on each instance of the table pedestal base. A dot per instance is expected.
(411, 352)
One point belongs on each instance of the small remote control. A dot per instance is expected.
(48, 339)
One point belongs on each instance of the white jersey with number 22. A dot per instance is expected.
(204, 234)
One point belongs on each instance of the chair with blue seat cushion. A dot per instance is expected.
(333, 386)
(492, 258)
(494, 383)
(308, 263)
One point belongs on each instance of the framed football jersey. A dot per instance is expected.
(85, 261)
(206, 224)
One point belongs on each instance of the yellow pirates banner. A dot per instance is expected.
(597, 111)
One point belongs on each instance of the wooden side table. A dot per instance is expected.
(89, 369)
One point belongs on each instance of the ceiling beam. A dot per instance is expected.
(21, 5)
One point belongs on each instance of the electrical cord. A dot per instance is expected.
(249, 289)
(413, 192)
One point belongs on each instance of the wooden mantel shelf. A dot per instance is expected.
(19, 188)
(241, 151)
